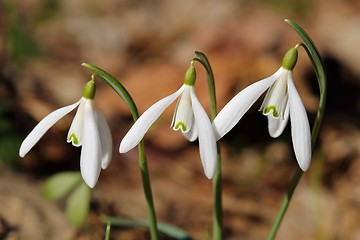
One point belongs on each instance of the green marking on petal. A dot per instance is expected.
(180, 125)
(273, 109)
(73, 139)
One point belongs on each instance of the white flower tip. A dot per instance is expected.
(124, 148)
(210, 167)
(91, 184)
(104, 166)
(90, 179)
(210, 174)
(106, 161)
(24, 148)
(304, 165)
(22, 153)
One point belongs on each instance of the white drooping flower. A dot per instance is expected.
(281, 102)
(189, 117)
(89, 130)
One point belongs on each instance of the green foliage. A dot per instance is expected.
(78, 204)
(71, 186)
(167, 229)
(295, 7)
(60, 185)
(107, 231)
(9, 147)
(20, 43)
(10, 139)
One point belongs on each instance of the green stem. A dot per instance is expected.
(147, 190)
(107, 231)
(123, 93)
(217, 180)
(285, 203)
(318, 66)
(217, 190)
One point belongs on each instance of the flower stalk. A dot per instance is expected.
(123, 93)
(318, 66)
(217, 180)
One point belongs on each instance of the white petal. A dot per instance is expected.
(300, 129)
(183, 114)
(42, 127)
(75, 132)
(140, 127)
(191, 135)
(90, 159)
(105, 139)
(276, 97)
(233, 111)
(277, 126)
(206, 135)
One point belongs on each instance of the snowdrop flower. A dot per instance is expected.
(281, 101)
(88, 129)
(189, 117)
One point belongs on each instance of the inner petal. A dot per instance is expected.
(183, 116)
(76, 129)
(276, 98)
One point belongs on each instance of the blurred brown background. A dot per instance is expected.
(148, 45)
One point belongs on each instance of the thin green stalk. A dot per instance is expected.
(107, 231)
(318, 66)
(217, 180)
(123, 93)
(148, 193)
(285, 203)
(217, 190)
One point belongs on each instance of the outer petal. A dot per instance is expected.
(207, 141)
(191, 135)
(138, 130)
(300, 129)
(42, 127)
(90, 159)
(233, 111)
(277, 126)
(105, 139)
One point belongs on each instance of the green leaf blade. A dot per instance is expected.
(116, 86)
(78, 205)
(166, 229)
(60, 185)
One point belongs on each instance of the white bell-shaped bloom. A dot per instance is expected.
(189, 117)
(281, 102)
(88, 130)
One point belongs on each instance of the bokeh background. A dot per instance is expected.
(148, 45)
